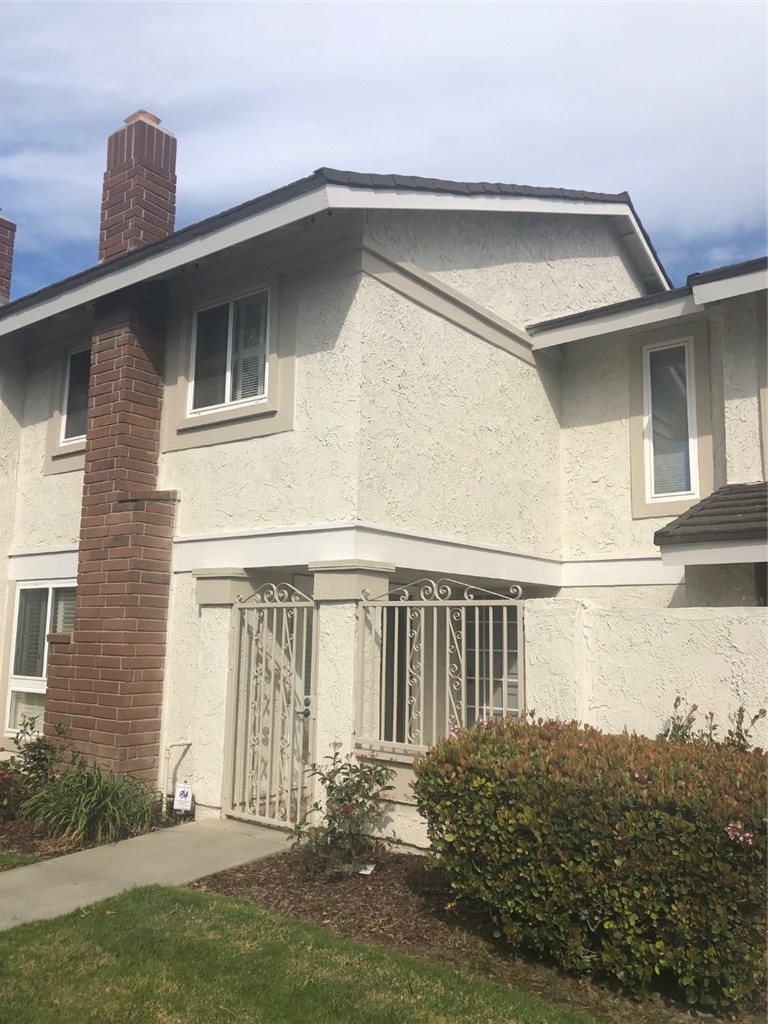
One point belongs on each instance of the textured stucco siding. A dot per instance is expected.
(523, 267)
(459, 439)
(195, 692)
(660, 595)
(47, 516)
(305, 475)
(622, 668)
(721, 585)
(11, 411)
(597, 495)
(740, 342)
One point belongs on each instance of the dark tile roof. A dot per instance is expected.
(737, 512)
(321, 177)
(732, 270)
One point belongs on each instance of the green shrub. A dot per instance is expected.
(342, 841)
(91, 805)
(618, 856)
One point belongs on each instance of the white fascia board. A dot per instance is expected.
(622, 321)
(43, 565)
(620, 572)
(731, 287)
(723, 553)
(165, 262)
(346, 197)
(368, 542)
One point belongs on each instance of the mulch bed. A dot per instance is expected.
(20, 837)
(402, 906)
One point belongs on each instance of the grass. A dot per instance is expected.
(15, 860)
(174, 956)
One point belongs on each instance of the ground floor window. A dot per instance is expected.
(41, 608)
(437, 657)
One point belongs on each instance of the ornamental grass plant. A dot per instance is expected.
(620, 857)
(91, 805)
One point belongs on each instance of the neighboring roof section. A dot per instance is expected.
(737, 512)
(327, 189)
(700, 288)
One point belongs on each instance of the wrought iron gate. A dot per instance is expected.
(435, 656)
(271, 715)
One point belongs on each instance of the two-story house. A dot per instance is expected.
(363, 460)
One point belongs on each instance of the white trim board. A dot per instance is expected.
(43, 565)
(623, 320)
(339, 197)
(730, 287)
(372, 543)
(368, 542)
(723, 553)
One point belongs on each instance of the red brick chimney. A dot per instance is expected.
(7, 235)
(139, 199)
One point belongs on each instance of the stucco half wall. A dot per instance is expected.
(622, 668)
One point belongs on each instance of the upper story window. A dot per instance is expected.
(229, 359)
(669, 409)
(670, 420)
(75, 412)
(41, 608)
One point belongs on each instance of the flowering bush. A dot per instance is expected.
(618, 856)
(342, 839)
(36, 762)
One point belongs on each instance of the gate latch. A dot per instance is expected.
(306, 712)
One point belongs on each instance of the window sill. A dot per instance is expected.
(223, 425)
(644, 509)
(65, 458)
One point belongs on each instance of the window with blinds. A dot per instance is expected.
(40, 610)
(76, 396)
(669, 415)
(230, 352)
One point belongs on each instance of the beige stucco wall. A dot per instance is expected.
(721, 585)
(523, 267)
(596, 483)
(622, 668)
(305, 475)
(47, 512)
(11, 412)
(458, 438)
(651, 596)
(739, 332)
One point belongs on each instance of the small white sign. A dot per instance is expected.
(182, 797)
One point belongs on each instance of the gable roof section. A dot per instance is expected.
(325, 189)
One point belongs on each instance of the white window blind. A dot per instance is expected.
(669, 420)
(31, 627)
(230, 360)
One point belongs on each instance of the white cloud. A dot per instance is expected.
(665, 100)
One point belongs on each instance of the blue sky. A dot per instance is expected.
(665, 100)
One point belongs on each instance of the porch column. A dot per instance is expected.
(338, 588)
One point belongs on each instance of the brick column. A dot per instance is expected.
(107, 683)
(7, 237)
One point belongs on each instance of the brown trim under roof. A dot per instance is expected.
(736, 512)
(319, 179)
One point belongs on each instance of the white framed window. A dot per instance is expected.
(669, 422)
(230, 353)
(41, 608)
(75, 406)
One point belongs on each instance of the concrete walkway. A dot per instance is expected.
(173, 856)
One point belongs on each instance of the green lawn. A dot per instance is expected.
(15, 860)
(175, 956)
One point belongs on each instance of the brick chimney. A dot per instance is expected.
(139, 200)
(7, 235)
